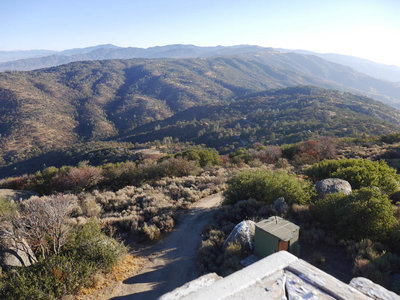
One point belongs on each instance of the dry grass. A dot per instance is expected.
(366, 151)
(151, 209)
(103, 284)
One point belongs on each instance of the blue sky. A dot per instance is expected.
(368, 28)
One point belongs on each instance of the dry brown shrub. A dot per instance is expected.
(151, 208)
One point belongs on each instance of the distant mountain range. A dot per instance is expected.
(109, 51)
(36, 59)
(380, 71)
(7, 56)
(215, 100)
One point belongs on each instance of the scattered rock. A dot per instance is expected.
(281, 206)
(17, 255)
(371, 289)
(332, 185)
(243, 233)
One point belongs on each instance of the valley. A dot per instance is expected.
(82, 105)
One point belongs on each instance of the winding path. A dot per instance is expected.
(172, 262)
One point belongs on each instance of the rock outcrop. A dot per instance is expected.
(332, 185)
(243, 233)
(281, 206)
(16, 254)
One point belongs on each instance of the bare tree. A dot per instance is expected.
(273, 153)
(327, 148)
(42, 222)
(12, 237)
(46, 222)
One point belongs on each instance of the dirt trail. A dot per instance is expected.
(172, 262)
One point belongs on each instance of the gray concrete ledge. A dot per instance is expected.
(240, 280)
(279, 276)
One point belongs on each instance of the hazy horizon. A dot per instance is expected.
(366, 29)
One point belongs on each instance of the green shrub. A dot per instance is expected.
(214, 257)
(118, 175)
(313, 236)
(91, 245)
(324, 169)
(7, 207)
(210, 254)
(47, 279)
(391, 138)
(204, 157)
(366, 213)
(42, 182)
(178, 167)
(267, 186)
(379, 269)
(87, 252)
(240, 156)
(358, 172)
(232, 256)
(364, 249)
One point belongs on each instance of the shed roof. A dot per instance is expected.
(281, 228)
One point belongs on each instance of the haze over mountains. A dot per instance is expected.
(109, 51)
(381, 71)
(36, 59)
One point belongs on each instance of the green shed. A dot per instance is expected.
(275, 234)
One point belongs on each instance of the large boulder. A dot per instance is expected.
(16, 254)
(332, 185)
(243, 233)
(281, 206)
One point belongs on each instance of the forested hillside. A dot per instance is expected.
(275, 117)
(54, 109)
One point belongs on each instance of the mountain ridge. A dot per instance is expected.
(52, 109)
(29, 60)
(109, 51)
(380, 71)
